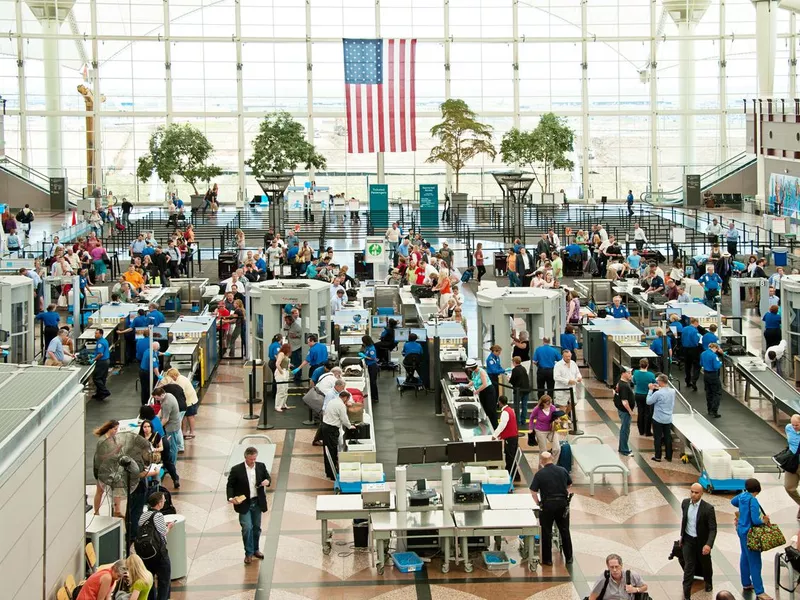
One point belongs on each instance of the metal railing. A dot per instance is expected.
(34, 177)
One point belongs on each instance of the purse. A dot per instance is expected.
(762, 538)
(787, 460)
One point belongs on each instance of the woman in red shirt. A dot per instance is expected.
(419, 274)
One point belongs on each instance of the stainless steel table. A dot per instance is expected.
(404, 524)
(346, 507)
(498, 523)
(512, 502)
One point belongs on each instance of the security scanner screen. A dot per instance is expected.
(436, 454)
(411, 455)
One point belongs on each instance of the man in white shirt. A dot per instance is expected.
(274, 253)
(246, 490)
(566, 375)
(336, 285)
(337, 303)
(333, 421)
(774, 356)
(393, 237)
(639, 237)
(713, 231)
(601, 231)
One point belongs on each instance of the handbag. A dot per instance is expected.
(762, 538)
(787, 460)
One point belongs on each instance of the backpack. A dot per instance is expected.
(148, 543)
(565, 457)
(169, 507)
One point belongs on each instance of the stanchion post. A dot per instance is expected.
(263, 425)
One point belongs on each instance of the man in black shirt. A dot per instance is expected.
(550, 489)
(624, 401)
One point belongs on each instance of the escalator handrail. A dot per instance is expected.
(665, 195)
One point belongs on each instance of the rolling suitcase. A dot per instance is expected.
(227, 263)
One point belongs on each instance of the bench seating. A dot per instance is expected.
(594, 459)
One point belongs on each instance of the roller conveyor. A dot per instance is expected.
(776, 389)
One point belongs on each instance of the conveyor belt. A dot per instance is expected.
(776, 387)
(756, 439)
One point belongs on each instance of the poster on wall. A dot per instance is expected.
(784, 195)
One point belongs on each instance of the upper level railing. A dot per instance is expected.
(34, 177)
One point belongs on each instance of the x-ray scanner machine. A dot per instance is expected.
(542, 311)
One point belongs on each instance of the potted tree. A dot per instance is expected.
(461, 138)
(179, 149)
(547, 145)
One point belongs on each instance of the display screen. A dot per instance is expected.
(489, 450)
(458, 452)
(436, 454)
(411, 455)
(672, 310)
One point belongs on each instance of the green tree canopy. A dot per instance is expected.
(281, 146)
(461, 137)
(547, 145)
(178, 149)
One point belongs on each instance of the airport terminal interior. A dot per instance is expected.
(491, 291)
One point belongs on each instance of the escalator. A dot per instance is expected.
(39, 182)
(707, 180)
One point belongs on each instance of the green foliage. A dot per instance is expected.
(547, 145)
(178, 149)
(281, 146)
(461, 137)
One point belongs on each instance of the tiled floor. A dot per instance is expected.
(640, 527)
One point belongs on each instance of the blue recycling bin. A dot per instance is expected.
(780, 256)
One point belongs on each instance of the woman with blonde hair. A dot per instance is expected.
(107, 430)
(240, 243)
(542, 418)
(141, 580)
(282, 373)
(185, 383)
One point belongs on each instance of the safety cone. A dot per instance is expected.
(74, 217)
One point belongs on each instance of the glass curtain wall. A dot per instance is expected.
(615, 69)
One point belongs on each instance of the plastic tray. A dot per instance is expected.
(407, 562)
(354, 487)
(496, 561)
(493, 488)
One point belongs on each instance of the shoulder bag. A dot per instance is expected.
(786, 460)
(605, 587)
(762, 538)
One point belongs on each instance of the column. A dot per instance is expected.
(23, 100)
(380, 156)
(52, 95)
(585, 183)
(686, 77)
(766, 24)
(654, 181)
(723, 86)
(240, 166)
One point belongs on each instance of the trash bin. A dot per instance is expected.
(361, 533)
(176, 544)
(258, 393)
(780, 256)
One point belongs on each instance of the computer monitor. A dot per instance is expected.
(421, 333)
(436, 454)
(488, 450)
(411, 455)
(461, 452)
(382, 320)
(674, 310)
(160, 333)
(401, 334)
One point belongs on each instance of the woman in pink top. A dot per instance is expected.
(478, 256)
(98, 254)
(542, 419)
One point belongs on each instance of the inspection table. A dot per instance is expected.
(405, 524)
(343, 507)
(512, 502)
(498, 523)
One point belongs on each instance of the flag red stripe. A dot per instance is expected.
(370, 125)
(381, 135)
(359, 119)
(412, 95)
(390, 63)
(349, 118)
(402, 78)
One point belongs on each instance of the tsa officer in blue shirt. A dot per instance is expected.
(141, 320)
(618, 310)
(102, 358)
(545, 358)
(710, 336)
(50, 321)
(711, 361)
(370, 356)
(772, 326)
(155, 315)
(658, 347)
(148, 363)
(690, 340)
(712, 283)
(493, 367)
(316, 357)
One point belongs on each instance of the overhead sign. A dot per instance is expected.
(375, 250)
(429, 205)
(379, 204)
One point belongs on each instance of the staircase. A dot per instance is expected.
(37, 180)
(708, 179)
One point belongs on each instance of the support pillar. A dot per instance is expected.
(585, 182)
(654, 159)
(52, 95)
(766, 29)
(686, 73)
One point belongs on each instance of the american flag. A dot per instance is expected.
(379, 87)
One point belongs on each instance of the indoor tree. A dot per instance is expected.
(281, 146)
(547, 145)
(461, 137)
(178, 149)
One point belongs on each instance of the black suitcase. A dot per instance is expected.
(227, 263)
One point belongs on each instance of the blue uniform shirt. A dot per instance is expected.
(792, 437)
(102, 350)
(493, 366)
(261, 264)
(274, 348)
(710, 282)
(156, 317)
(771, 320)
(677, 325)
(656, 282)
(50, 318)
(619, 312)
(317, 373)
(371, 355)
(142, 344)
(546, 357)
(317, 354)
(412, 348)
(690, 338)
(140, 322)
(709, 338)
(710, 361)
(569, 342)
(658, 346)
(292, 253)
(145, 364)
